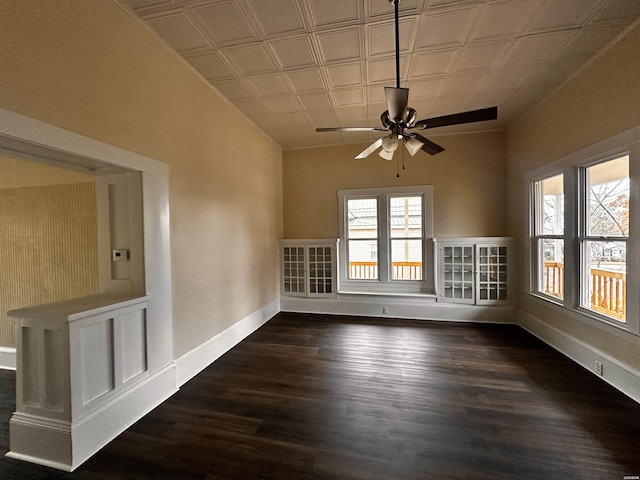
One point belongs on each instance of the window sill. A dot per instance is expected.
(584, 316)
(418, 296)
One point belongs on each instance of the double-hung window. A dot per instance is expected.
(584, 242)
(386, 238)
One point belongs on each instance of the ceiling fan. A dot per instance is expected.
(399, 118)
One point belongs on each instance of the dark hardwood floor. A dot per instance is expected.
(315, 397)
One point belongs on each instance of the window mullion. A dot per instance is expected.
(573, 221)
(384, 245)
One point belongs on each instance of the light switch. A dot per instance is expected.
(119, 255)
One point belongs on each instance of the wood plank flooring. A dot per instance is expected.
(316, 397)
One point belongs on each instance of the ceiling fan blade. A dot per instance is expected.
(397, 100)
(429, 147)
(350, 129)
(459, 118)
(370, 149)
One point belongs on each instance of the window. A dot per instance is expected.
(384, 234)
(584, 238)
(603, 237)
(549, 236)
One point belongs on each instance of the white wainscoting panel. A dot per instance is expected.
(43, 376)
(96, 352)
(133, 344)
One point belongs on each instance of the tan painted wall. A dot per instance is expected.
(16, 173)
(48, 247)
(604, 99)
(468, 180)
(92, 68)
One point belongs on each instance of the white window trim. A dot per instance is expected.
(532, 259)
(625, 143)
(385, 284)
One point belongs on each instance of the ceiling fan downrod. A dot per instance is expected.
(396, 4)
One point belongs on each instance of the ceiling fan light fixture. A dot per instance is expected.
(390, 143)
(413, 145)
(386, 154)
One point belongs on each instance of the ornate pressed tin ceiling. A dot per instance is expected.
(294, 65)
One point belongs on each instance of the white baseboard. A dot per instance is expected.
(63, 446)
(399, 307)
(100, 428)
(619, 375)
(7, 358)
(193, 362)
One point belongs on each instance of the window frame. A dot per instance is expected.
(536, 201)
(573, 168)
(384, 283)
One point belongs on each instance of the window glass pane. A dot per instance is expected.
(362, 215)
(608, 189)
(405, 215)
(552, 206)
(406, 259)
(551, 267)
(549, 222)
(361, 265)
(606, 279)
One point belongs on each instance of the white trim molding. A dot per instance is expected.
(7, 358)
(621, 376)
(193, 362)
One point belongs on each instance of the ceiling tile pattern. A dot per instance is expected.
(294, 65)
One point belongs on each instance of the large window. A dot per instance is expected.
(384, 234)
(584, 248)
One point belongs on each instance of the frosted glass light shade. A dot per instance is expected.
(390, 143)
(413, 145)
(387, 155)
